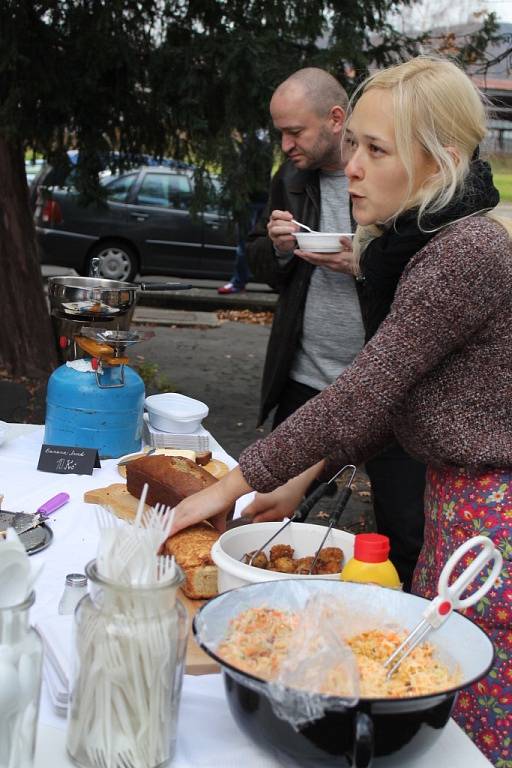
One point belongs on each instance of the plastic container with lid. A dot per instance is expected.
(171, 412)
(370, 563)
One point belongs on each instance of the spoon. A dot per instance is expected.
(308, 229)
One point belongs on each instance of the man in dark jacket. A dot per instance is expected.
(317, 329)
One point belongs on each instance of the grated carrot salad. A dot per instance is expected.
(258, 641)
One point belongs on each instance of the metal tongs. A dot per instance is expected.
(336, 513)
(448, 597)
(324, 489)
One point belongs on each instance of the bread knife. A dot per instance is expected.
(238, 521)
(126, 461)
(22, 522)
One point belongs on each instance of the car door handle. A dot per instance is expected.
(140, 216)
(213, 224)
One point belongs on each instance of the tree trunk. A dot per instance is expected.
(27, 345)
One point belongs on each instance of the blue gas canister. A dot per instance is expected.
(100, 409)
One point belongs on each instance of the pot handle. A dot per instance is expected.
(164, 286)
(363, 741)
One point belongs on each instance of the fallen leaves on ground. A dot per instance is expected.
(245, 316)
(32, 409)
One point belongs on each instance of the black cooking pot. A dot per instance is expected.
(347, 733)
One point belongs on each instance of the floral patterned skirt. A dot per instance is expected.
(460, 504)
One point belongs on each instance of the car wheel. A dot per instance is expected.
(117, 261)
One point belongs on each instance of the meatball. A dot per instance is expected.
(260, 561)
(330, 553)
(328, 566)
(303, 565)
(283, 565)
(330, 560)
(281, 550)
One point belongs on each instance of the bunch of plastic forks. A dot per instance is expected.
(128, 649)
(128, 554)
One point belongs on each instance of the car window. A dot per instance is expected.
(167, 190)
(118, 189)
(213, 204)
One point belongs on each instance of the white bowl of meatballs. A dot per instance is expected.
(289, 555)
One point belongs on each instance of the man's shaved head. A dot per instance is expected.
(319, 89)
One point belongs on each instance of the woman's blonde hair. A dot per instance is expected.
(435, 104)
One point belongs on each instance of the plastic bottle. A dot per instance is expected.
(370, 563)
(75, 589)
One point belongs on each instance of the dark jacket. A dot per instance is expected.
(298, 192)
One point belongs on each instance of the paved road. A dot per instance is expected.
(220, 362)
(217, 362)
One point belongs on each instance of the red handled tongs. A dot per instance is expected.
(449, 594)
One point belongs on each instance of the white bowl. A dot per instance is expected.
(321, 242)
(305, 538)
(4, 431)
(175, 413)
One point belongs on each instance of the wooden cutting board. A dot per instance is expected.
(124, 505)
(115, 496)
(197, 662)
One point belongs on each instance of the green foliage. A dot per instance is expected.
(154, 380)
(191, 80)
(503, 182)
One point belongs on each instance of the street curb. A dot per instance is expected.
(178, 318)
(208, 302)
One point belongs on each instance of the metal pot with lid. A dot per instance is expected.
(95, 298)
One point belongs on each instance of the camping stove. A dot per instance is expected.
(96, 400)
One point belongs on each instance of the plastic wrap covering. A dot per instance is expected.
(318, 660)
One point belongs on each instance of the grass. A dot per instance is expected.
(503, 182)
(502, 174)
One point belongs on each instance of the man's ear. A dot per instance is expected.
(337, 118)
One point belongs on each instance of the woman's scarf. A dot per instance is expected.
(386, 257)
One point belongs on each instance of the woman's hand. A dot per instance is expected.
(268, 507)
(342, 261)
(212, 503)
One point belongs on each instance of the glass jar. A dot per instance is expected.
(21, 655)
(128, 662)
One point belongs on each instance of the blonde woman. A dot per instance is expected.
(437, 372)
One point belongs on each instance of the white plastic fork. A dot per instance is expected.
(304, 226)
(166, 567)
(140, 506)
(160, 519)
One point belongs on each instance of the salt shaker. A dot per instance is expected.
(74, 590)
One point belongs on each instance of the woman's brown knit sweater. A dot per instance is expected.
(437, 374)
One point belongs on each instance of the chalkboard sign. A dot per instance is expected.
(68, 460)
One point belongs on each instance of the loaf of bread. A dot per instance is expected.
(170, 478)
(192, 550)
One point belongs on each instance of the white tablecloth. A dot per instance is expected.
(207, 735)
